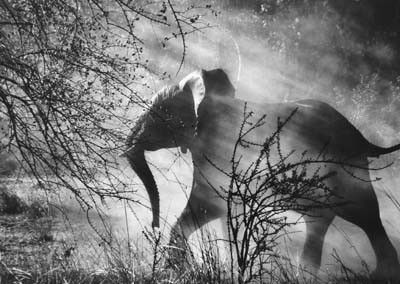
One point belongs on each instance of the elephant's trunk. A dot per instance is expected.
(139, 165)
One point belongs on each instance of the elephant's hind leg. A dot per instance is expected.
(364, 212)
(386, 255)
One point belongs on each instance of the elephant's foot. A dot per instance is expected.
(310, 262)
(308, 272)
(176, 259)
(178, 251)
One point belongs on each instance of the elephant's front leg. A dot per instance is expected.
(202, 208)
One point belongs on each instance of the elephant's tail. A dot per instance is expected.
(376, 151)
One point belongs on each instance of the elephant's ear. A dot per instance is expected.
(195, 82)
(207, 83)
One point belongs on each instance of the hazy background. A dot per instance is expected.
(342, 52)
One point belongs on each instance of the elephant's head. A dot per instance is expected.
(171, 121)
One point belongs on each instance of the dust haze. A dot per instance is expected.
(298, 54)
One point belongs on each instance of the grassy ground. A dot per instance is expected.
(40, 245)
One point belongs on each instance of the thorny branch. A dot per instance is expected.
(69, 75)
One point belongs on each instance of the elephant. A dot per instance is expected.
(202, 114)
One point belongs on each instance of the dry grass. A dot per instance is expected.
(33, 252)
(40, 246)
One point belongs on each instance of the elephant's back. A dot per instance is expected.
(309, 125)
(322, 127)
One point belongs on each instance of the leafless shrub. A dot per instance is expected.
(259, 195)
(69, 74)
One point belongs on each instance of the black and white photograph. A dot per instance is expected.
(190, 142)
